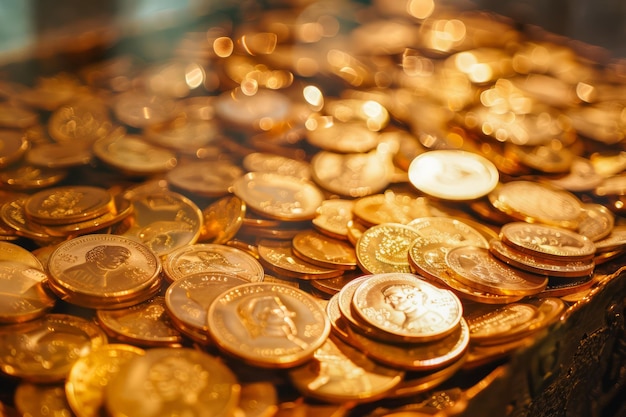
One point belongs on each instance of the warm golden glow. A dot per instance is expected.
(249, 87)
(314, 97)
(223, 47)
(420, 9)
(259, 43)
(194, 76)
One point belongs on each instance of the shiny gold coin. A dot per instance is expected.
(278, 256)
(247, 112)
(164, 221)
(44, 350)
(453, 174)
(339, 373)
(186, 136)
(60, 155)
(477, 268)
(210, 257)
(40, 400)
(133, 156)
(355, 231)
(14, 147)
(331, 286)
(489, 324)
(267, 162)
(581, 177)
(385, 247)
(541, 266)
(172, 381)
(90, 374)
(81, 120)
(341, 137)
(188, 299)
(354, 174)
(144, 324)
(103, 267)
(12, 213)
(23, 294)
(537, 203)
(30, 177)
(324, 251)
(390, 207)
(205, 178)
(333, 216)
(615, 241)
(596, 222)
(407, 307)
(140, 110)
(68, 204)
(258, 399)
(547, 241)
(268, 324)
(546, 158)
(278, 196)
(15, 253)
(222, 219)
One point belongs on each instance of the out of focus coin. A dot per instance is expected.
(267, 162)
(205, 178)
(14, 147)
(40, 400)
(335, 136)
(139, 110)
(24, 293)
(390, 207)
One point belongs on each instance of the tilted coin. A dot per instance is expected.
(344, 307)
(222, 219)
(205, 178)
(453, 174)
(491, 324)
(40, 400)
(15, 253)
(333, 216)
(267, 162)
(44, 350)
(103, 267)
(24, 295)
(172, 381)
(278, 256)
(68, 204)
(14, 146)
(582, 177)
(278, 196)
(596, 221)
(342, 137)
(477, 268)
(546, 158)
(12, 213)
(324, 251)
(341, 373)
(268, 324)
(353, 174)
(30, 177)
(139, 110)
(211, 257)
(537, 203)
(615, 241)
(144, 324)
(186, 136)
(385, 247)
(90, 374)
(60, 155)
(164, 221)
(390, 207)
(84, 119)
(547, 241)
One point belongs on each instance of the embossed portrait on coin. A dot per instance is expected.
(104, 264)
(268, 316)
(412, 302)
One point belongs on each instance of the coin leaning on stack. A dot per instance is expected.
(318, 221)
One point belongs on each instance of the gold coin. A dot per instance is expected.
(247, 112)
(339, 373)
(355, 231)
(390, 207)
(333, 216)
(278, 256)
(50, 93)
(547, 158)
(615, 241)
(60, 155)
(268, 324)
(40, 400)
(596, 221)
(172, 381)
(332, 286)
(324, 251)
(222, 219)
(492, 324)
(204, 178)
(68, 204)
(477, 268)
(133, 156)
(258, 399)
(547, 241)
(385, 247)
(581, 177)
(103, 267)
(278, 196)
(12, 213)
(185, 136)
(29, 177)
(14, 147)
(537, 203)
(90, 374)
(344, 305)
(406, 307)
(24, 295)
(341, 137)
(210, 257)
(541, 266)
(453, 174)
(44, 350)
(164, 221)
(144, 324)
(141, 110)
(15, 253)
(82, 120)
(267, 162)
(188, 299)
(354, 174)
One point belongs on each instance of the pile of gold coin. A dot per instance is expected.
(302, 211)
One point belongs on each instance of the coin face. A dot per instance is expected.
(210, 257)
(324, 251)
(333, 216)
(268, 324)
(384, 248)
(596, 222)
(62, 205)
(268, 162)
(278, 196)
(222, 219)
(103, 266)
(453, 174)
(343, 137)
(406, 306)
(172, 381)
(477, 268)
(547, 241)
(390, 207)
